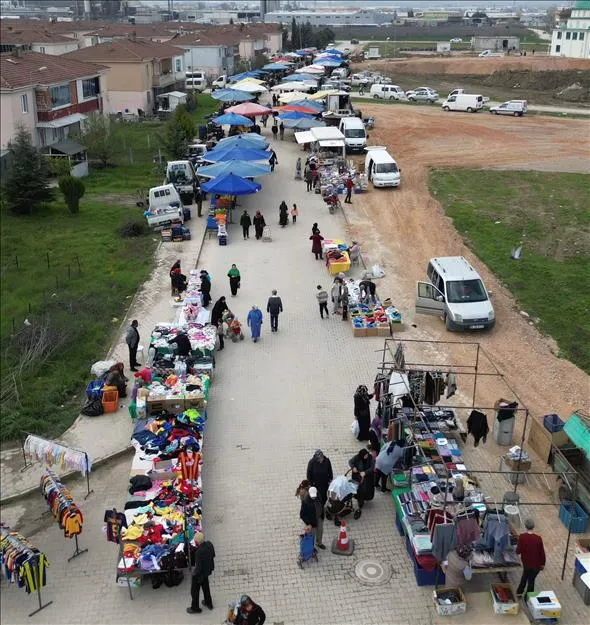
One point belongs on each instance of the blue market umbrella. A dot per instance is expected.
(304, 124)
(333, 51)
(237, 154)
(245, 169)
(327, 63)
(295, 115)
(250, 140)
(230, 184)
(252, 74)
(275, 67)
(299, 77)
(233, 119)
(232, 95)
(312, 104)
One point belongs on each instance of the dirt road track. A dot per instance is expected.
(401, 229)
(472, 65)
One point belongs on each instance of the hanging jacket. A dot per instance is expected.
(477, 425)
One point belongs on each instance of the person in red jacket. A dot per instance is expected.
(532, 553)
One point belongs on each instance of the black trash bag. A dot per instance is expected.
(93, 407)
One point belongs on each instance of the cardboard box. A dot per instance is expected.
(134, 581)
(582, 546)
(372, 331)
(507, 607)
(539, 439)
(383, 330)
(359, 331)
(174, 405)
(163, 470)
(452, 608)
(196, 401)
(543, 604)
(525, 465)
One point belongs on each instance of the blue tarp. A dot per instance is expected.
(238, 154)
(299, 77)
(252, 74)
(327, 62)
(275, 67)
(232, 95)
(245, 169)
(232, 119)
(295, 115)
(312, 104)
(230, 184)
(243, 141)
(303, 124)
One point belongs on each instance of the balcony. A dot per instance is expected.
(166, 78)
(48, 115)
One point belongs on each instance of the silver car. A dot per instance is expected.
(422, 94)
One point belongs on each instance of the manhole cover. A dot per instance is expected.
(372, 572)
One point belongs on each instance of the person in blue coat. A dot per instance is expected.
(255, 322)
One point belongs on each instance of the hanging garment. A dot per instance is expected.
(506, 411)
(189, 466)
(467, 530)
(477, 425)
(434, 386)
(443, 540)
(451, 384)
(496, 535)
(61, 504)
(115, 521)
(53, 454)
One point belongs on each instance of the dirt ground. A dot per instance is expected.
(401, 229)
(473, 65)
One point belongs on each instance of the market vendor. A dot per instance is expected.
(179, 282)
(115, 377)
(183, 344)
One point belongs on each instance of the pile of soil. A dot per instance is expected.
(560, 83)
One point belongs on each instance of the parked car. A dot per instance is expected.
(470, 102)
(387, 92)
(513, 107)
(490, 53)
(422, 94)
(456, 40)
(355, 42)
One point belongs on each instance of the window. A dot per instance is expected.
(460, 291)
(60, 96)
(581, 37)
(24, 103)
(42, 49)
(575, 36)
(557, 49)
(559, 35)
(568, 35)
(178, 63)
(90, 88)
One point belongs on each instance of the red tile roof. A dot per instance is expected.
(25, 36)
(34, 68)
(125, 50)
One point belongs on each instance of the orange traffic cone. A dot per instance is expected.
(343, 546)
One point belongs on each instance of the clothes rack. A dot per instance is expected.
(54, 454)
(29, 573)
(67, 514)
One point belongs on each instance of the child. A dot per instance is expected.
(235, 330)
(220, 333)
(294, 213)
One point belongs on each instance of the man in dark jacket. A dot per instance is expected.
(132, 340)
(319, 474)
(205, 288)
(204, 566)
(312, 514)
(274, 306)
(245, 222)
(250, 613)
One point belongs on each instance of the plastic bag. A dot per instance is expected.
(377, 271)
(92, 407)
(101, 367)
(355, 428)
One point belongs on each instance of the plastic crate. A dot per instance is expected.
(579, 521)
(553, 423)
(428, 578)
(398, 525)
(110, 401)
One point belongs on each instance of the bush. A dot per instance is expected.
(133, 228)
(73, 190)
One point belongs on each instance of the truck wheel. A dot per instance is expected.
(375, 96)
(494, 112)
(469, 109)
(517, 114)
(412, 99)
(446, 109)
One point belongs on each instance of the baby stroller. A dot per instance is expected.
(235, 331)
(341, 501)
(307, 550)
(266, 236)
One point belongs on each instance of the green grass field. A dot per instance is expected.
(549, 214)
(84, 302)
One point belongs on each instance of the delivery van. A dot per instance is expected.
(219, 83)
(470, 102)
(387, 92)
(455, 292)
(381, 168)
(195, 81)
(355, 135)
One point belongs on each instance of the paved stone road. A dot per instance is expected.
(272, 404)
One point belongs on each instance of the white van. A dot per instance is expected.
(469, 102)
(164, 206)
(195, 81)
(381, 168)
(355, 135)
(387, 92)
(513, 107)
(456, 292)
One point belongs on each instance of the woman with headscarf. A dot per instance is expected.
(179, 283)
(388, 457)
(320, 474)
(362, 411)
(234, 279)
(283, 214)
(115, 376)
(259, 224)
(176, 265)
(205, 288)
(219, 308)
(375, 433)
(315, 228)
(255, 322)
(362, 473)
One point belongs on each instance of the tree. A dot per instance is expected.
(295, 35)
(180, 131)
(191, 102)
(100, 138)
(73, 190)
(27, 182)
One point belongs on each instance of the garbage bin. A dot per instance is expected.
(503, 431)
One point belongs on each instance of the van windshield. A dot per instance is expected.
(385, 168)
(462, 291)
(355, 133)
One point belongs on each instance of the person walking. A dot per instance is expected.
(234, 279)
(283, 214)
(281, 131)
(273, 160)
(322, 297)
(274, 306)
(315, 178)
(255, 322)
(362, 89)
(294, 213)
(204, 566)
(205, 288)
(298, 168)
(320, 474)
(259, 224)
(250, 613)
(316, 246)
(199, 201)
(245, 222)
(312, 514)
(344, 295)
(532, 554)
(362, 411)
(274, 129)
(132, 340)
(349, 184)
(308, 177)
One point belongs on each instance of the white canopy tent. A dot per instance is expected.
(323, 137)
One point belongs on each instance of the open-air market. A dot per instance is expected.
(328, 387)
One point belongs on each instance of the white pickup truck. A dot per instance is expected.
(164, 206)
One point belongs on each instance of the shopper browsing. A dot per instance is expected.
(322, 297)
(245, 222)
(320, 474)
(250, 613)
(532, 553)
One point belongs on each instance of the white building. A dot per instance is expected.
(572, 37)
(346, 17)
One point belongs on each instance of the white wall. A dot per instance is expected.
(570, 48)
(120, 100)
(54, 48)
(10, 105)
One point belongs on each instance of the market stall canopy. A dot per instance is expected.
(255, 73)
(298, 77)
(320, 95)
(241, 141)
(256, 81)
(231, 119)
(230, 184)
(303, 124)
(304, 137)
(238, 154)
(245, 169)
(275, 67)
(290, 97)
(332, 143)
(295, 115)
(333, 51)
(328, 62)
(329, 133)
(232, 95)
(299, 108)
(310, 69)
(249, 109)
(248, 86)
(286, 86)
